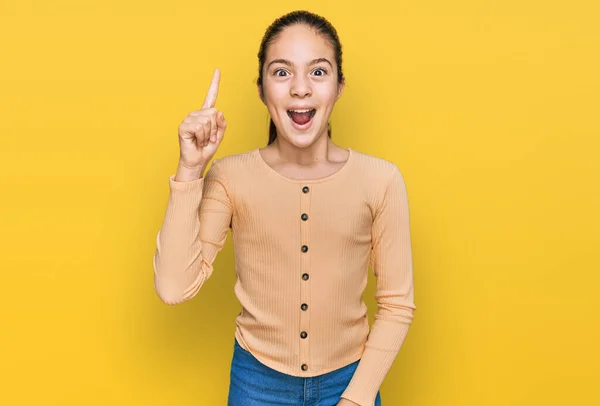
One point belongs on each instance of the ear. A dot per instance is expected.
(340, 89)
(260, 93)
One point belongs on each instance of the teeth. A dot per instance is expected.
(311, 111)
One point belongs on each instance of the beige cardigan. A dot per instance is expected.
(302, 253)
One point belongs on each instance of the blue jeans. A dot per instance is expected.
(255, 384)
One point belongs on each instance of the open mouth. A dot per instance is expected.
(301, 117)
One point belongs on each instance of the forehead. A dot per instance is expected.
(299, 43)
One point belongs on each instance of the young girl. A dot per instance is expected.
(307, 218)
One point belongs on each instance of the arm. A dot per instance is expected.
(193, 232)
(392, 265)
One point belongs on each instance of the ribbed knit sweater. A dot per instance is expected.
(302, 254)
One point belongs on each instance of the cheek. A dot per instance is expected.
(276, 90)
(274, 97)
(326, 94)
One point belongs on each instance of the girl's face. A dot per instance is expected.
(300, 84)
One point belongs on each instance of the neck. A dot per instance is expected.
(313, 154)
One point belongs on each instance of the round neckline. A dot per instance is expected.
(308, 181)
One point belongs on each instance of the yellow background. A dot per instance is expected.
(490, 109)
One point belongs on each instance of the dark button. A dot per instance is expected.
(304, 216)
(304, 367)
(305, 189)
(303, 334)
(305, 276)
(304, 306)
(304, 248)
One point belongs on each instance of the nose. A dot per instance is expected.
(300, 87)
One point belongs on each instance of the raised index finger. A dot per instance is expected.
(211, 96)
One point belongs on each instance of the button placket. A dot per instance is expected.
(304, 221)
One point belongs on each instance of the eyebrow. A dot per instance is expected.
(288, 63)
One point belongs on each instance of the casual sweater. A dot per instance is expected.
(302, 253)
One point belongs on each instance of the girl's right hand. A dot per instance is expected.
(201, 132)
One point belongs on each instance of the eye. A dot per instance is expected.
(277, 71)
(324, 72)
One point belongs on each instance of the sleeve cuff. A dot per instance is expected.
(372, 369)
(191, 185)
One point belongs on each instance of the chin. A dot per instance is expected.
(302, 137)
(303, 142)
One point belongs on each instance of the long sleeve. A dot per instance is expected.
(194, 230)
(392, 265)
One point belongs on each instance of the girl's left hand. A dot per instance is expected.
(346, 402)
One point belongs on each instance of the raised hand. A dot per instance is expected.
(201, 132)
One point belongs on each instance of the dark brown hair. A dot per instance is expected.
(314, 21)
